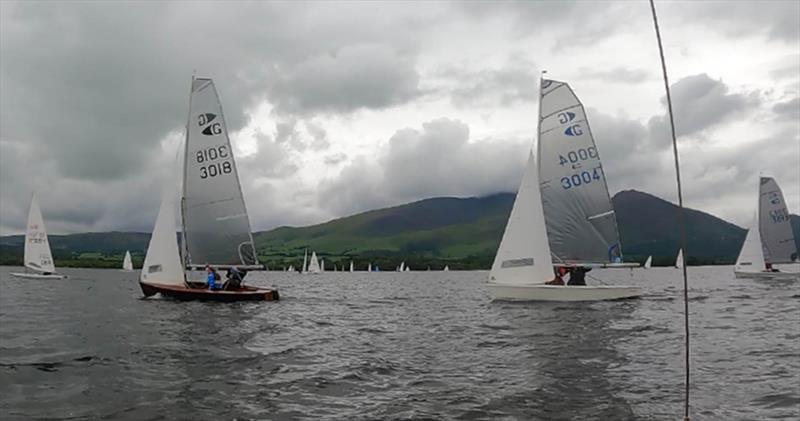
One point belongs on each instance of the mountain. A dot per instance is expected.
(463, 233)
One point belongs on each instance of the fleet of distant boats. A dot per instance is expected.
(562, 222)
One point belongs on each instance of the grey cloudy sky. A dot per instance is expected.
(336, 108)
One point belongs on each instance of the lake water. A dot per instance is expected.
(418, 345)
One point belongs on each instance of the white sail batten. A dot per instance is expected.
(774, 225)
(216, 225)
(524, 254)
(127, 263)
(751, 257)
(37, 247)
(581, 224)
(162, 265)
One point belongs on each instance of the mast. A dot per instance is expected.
(184, 246)
(681, 216)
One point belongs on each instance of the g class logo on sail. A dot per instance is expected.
(565, 117)
(574, 130)
(207, 119)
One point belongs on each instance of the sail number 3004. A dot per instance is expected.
(208, 157)
(581, 178)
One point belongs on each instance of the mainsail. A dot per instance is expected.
(774, 225)
(581, 224)
(524, 254)
(751, 257)
(215, 222)
(37, 248)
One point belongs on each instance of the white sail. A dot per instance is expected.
(162, 265)
(408, 269)
(313, 264)
(524, 253)
(369, 267)
(447, 268)
(127, 263)
(581, 224)
(322, 265)
(648, 262)
(751, 257)
(402, 267)
(216, 226)
(679, 259)
(37, 247)
(351, 266)
(774, 225)
(304, 269)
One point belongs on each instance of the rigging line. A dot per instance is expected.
(681, 217)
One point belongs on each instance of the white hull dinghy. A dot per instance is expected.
(769, 239)
(567, 215)
(38, 257)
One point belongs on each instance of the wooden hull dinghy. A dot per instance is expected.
(186, 293)
(216, 229)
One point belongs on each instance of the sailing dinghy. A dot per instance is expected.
(38, 257)
(127, 263)
(769, 238)
(679, 259)
(566, 216)
(649, 262)
(313, 265)
(216, 228)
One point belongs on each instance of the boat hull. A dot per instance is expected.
(783, 276)
(37, 276)
(541, 292)
(184, 293)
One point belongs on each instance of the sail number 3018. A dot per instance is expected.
(208, 157)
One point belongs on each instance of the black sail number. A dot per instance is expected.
(214, 161)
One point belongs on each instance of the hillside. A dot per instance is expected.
(463, 233)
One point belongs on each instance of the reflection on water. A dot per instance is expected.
(395, 346)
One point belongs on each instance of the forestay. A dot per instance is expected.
(581, 223)
(216, 226)
(524, 254)
(37, 248)
(776, 230)
(751, 257)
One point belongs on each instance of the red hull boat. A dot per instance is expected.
(186, 293)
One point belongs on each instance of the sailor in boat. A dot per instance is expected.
(235, 278)
(577, 276)
(212, 277)
(558, 280)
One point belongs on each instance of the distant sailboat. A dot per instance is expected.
(408, 269)
(351, 266)
(37, 257)
(216, 228)
(648, 262)
(567, 217)
(313, 264)
(369, 267)
(127, 263)
(769, 239)
(446, 268)
(322, 265)
(304, 269)
(679, 259)
(402, 267)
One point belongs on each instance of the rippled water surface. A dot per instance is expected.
(418, 345)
